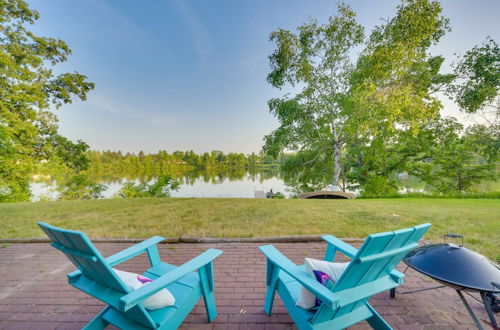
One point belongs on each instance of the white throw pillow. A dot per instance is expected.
(307, 299)
(162, 298)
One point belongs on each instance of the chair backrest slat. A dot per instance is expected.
(387, 254)
(84, 255)
(73, 252)
(376, 258)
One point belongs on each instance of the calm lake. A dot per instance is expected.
(202, 186)
(241, 185)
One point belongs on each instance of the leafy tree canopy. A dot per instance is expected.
(353, 121)
(478, 84)
(451, 160)
(28, 90)
(391, 85)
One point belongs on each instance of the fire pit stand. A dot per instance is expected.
(461, 269)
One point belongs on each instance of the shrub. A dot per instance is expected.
(162, 187)
(80, 187)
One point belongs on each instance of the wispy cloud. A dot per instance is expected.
(149, 117)
(134, 36)
(202, 40)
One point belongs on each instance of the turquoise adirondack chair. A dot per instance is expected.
(370, 271)
(96, 278)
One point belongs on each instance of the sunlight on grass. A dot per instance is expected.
(477, 219)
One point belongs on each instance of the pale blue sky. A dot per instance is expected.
(180, 75)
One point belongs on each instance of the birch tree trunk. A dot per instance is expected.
(336, 160)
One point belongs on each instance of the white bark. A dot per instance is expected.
(337, 165)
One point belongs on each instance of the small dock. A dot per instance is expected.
(325, 194)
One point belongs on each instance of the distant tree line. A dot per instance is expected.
(149, 175)
(177, 161)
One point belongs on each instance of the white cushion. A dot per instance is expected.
(162, 298)
(307, 299)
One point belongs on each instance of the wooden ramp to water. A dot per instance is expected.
(326, 195)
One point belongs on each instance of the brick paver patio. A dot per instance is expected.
(34, 293)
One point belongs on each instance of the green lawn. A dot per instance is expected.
(477, 219)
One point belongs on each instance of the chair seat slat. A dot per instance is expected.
(369, 289)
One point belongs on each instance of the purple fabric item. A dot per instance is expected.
(324, 279)
(143, 279)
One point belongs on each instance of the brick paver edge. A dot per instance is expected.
(188, 239)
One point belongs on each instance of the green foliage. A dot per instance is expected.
(451, 162)
(279, 195)
(72, 155)
(485, 140)
(381, 117)
(116, 165)
(463, 195)
(316, 61)
(301, 174)
(162, 187)
(131, 190)
(393, 76)
(356, 124)
(28, 88)
(14, 182)
(379, 186)
(391, 96)
(479, 78)
(80, 187)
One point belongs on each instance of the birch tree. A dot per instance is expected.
(314, 63)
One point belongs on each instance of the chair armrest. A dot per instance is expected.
(133, 251)
(397, 276)
(135, 297)
(279, 260)
(124, 255)
(343, 247)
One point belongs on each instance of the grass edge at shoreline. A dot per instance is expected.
(477, 219)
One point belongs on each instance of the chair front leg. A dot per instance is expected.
(376, 321)
(207, 287)
(98, 322)
(272, 286)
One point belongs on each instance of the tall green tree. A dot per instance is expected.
(315, 62)
(392, 93)
(355, 122)
(29, 89)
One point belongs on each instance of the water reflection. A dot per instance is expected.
(227, 184)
